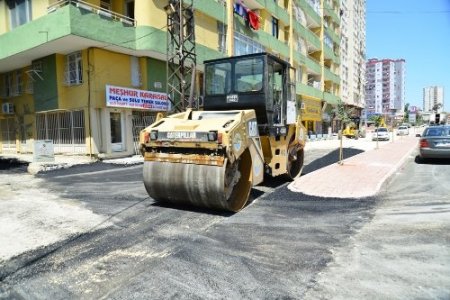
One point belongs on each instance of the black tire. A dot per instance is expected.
(419, 160)
(295, 165)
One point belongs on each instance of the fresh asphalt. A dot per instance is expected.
(274, 248)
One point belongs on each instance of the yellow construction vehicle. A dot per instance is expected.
(249, 126)
(354, 129)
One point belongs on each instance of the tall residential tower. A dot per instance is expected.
(385, 86)
(433, 99)
(353, 52)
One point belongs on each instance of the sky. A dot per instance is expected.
(417, 31)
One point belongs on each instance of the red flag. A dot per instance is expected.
(253, 19)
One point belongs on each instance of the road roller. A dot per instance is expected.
(249, 128)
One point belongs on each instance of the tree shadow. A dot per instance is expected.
(7, 163)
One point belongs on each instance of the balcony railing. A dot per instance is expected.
(94, 9)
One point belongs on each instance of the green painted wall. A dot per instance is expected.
(156, 72)
(96, 27)
(150, 38)
(46, 91)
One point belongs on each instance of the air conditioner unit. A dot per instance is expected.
(7, 108)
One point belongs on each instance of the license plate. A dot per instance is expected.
(443, 144)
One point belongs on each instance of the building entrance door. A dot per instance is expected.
(116, 131)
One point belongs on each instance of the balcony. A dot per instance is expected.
(313, 18)
(310, 91)
(313, 66)
(69, 26)
(277, 11)
(330, 76)
(312, 39)
(108, 14)
(329, 11)
(329, 54)
(299, 58)
(330, 98)
(333, 35)
(215, 9)
(271, 42)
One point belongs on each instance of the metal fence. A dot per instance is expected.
(141, 119)
(8, 134)
(65, 128)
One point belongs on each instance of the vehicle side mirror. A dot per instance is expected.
(418, 135)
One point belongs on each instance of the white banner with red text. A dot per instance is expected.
(117, 96)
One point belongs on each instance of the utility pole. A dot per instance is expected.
(181, 56)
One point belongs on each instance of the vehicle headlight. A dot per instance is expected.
(212, 136)
(154, 135)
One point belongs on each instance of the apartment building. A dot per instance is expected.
(64, 65)
(433, 99)
(353, 53)
(385, 87)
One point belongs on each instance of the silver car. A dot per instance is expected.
(381, 134)
(435, 142)
(403, 130)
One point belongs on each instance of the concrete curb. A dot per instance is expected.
(391, 173)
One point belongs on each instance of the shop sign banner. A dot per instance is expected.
(131, 98)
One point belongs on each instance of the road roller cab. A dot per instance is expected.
(248, 126)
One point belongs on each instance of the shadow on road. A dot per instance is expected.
(329, 159)
(12, 163)
(432, 161)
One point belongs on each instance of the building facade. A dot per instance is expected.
(64, 65)
(385, 87)
(353, 53)
(433, 99)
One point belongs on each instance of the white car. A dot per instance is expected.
(403, 130)
(381, 134)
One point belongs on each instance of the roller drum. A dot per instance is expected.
(224, 187)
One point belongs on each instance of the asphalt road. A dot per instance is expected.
(283, 245)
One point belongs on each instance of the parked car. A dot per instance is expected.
(403, 130)
(381, 134)
(435, 142)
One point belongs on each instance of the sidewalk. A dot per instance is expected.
(66, 161)
(359, 176)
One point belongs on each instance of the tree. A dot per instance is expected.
(343, 114)
(378, 120)
(436, 107)
(406, 113)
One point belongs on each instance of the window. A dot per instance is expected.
(219, 77)
(129, 9)
(18, 83)
(299, 74)
(275, 28)
(222, 31)
(249, 75)
(12, 84)
(19, 12)
(64, 128)
(245, 45)
(105, 4)
(135, 71)
(9, 87)
(74, 69)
